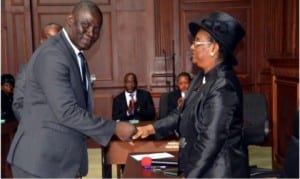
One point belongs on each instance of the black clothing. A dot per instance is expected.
(6, 106)
(210, 126)
(145, 110)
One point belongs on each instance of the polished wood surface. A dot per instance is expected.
(7, 133)
(117, 151)
(285, 104)
(134, 169)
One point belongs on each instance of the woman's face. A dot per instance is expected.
(201, 50)
(7, 88)
(183, 83)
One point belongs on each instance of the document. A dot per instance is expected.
(161, 155)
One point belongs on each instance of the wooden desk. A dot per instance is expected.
(117, 151)
(7, 133)
(133, 169)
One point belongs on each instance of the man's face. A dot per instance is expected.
(130, 84)
(85, 28)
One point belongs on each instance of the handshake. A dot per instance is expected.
(128, 132)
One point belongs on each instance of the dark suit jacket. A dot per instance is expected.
(18, 100)
(6, 106)
(210, 126)
(172, 99)
(51, 137)
(146, 109)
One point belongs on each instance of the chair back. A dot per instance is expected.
(256, 123)
(163, 105)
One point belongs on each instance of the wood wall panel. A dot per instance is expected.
(100, 55)
(103, 105)
(17, 34)
(285, 104)
(282, 21)
(4, 42)
(68, 2)
(167, 44)
(164, 27)
(135, 40)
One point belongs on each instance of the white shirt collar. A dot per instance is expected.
(76, 50)
(127, 93)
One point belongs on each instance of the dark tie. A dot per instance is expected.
(131, 101)
(83, 74)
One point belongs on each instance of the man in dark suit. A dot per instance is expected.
(57, 114)
(133, 103)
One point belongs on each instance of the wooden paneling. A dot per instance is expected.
(282, 21)
(285, 104)
(17, 35)
(104, 105)
(134, 39)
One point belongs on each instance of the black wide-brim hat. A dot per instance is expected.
(226, 30)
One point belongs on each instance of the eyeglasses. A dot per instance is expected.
(198, 43)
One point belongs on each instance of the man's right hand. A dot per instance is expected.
(125, 131)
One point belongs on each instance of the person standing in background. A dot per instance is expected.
(133, 103)
(57, 114)
(50, 30)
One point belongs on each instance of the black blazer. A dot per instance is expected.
(146, 109)
(172, 100)
(210, 126)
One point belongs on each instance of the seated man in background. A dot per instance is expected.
(7, 87)
(133, 103)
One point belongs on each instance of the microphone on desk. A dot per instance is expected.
(147, 162)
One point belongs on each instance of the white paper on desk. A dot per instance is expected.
(161, 155)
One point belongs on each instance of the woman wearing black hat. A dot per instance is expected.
(210, 121)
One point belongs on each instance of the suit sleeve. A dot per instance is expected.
(52, 71)
(166, 126)
(18, 100)
(146, 110)
(212, 129)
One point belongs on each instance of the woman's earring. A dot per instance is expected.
(212, 54)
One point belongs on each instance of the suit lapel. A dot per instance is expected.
(124, 101)
(192, 89)
(72, 57)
